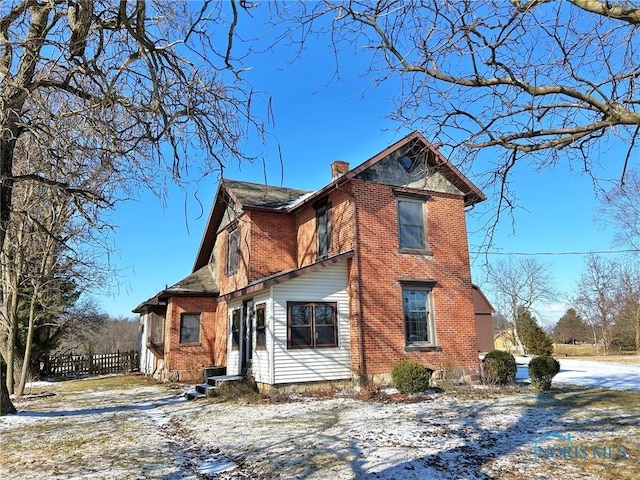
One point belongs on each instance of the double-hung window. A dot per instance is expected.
(322, 230)
(232, 251)
(190, 328)
(411, 224)
(312, 325)
(418, 315)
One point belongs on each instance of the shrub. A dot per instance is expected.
(410, 376)
(499, 367)
(542, 370)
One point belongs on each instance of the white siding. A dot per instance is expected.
(147, 358)
(307, 365)
(233, 356)
(261, 361)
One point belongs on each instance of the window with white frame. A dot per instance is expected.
(418, 315)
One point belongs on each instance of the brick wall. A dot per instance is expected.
(381, 266)
(186, 361)
(340, 227)
(273, 244)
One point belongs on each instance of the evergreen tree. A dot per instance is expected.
(535, 340)
(571, 328)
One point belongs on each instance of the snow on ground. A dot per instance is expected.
(147, 431)
(588, 373)
(598, 374)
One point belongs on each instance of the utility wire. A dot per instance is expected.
(531, 254)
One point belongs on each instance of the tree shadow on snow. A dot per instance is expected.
(104, 409)
(481, 444)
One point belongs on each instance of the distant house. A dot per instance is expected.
(505, 341)
(337, 284)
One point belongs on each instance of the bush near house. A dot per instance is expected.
(542, 370)
(499, 368)
(410, 377)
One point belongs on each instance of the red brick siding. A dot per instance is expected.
(230, 282)
(382, 266)
(340, 224)
(190, 359)
(273, 244)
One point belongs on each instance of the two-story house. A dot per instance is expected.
(338, 284)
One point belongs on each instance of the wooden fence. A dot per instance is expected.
(66, 365)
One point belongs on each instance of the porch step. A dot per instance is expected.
(213, 372)
(192, 395)
(208, 389)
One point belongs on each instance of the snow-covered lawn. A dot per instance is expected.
(130, 428)
(589, 373)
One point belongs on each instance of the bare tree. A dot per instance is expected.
(519, 284)
(597, 295)
(132, 87)
(621, 209)
(139, 81)
(536, 81)
(628, 293)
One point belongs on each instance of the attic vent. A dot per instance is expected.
(408, 163)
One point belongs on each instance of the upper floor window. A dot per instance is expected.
(411, 224)
(418, 316)
(312, 325)
(233, 251)
(190, 328)
(322, 230)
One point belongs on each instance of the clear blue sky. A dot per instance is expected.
(317, 121)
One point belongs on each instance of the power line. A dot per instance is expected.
(531, 254)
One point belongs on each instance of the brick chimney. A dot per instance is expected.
(339, 168)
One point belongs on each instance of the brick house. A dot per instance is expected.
(333, 285)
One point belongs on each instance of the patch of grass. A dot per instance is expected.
(578, 398)
(592, 352)
(611, 464)
(238, 391)
(108, 382)
(630, 359)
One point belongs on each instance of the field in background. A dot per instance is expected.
(594, 352)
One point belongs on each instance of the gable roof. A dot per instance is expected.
(414, 141)
(256, 195)
(199, 283)
(261, 196)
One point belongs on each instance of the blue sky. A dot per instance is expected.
(319, 120)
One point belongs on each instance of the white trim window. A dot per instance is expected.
(418, 315)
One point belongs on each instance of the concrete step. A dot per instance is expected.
(218, 379)
(213, 372)
(192, 395)
(206, 389)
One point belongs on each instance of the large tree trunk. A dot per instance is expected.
(7, 147)
(6, 407)
(29, 345)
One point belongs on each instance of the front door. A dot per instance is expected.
(246, 332)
